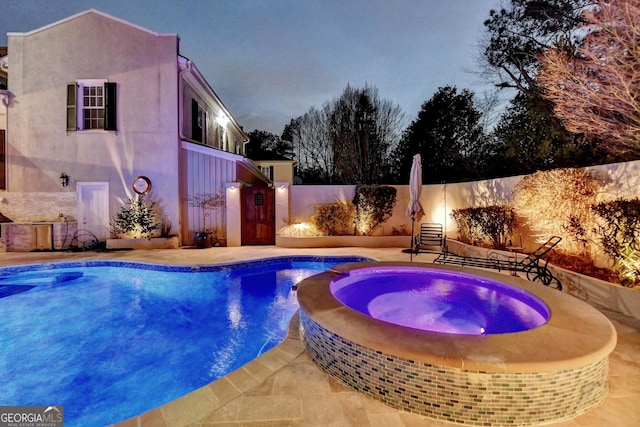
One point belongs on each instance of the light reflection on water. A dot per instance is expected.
(109, 342)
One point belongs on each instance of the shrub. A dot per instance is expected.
(136, 219)
(619, 235)
(468, 228)
(489, 225)
(374, 206)
(333, 219)
(558, 203)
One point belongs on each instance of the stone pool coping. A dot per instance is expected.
(576, 334)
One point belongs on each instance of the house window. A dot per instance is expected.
(223, 138)
(91, 104)
(267, 171)
(93, 107)
(198, 122)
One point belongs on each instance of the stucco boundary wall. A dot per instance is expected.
(440, 199)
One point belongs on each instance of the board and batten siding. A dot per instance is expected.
(207, 171)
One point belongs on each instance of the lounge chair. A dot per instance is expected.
(430, 237)
(532, 264)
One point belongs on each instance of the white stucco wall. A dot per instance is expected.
(93, 46)
(625, 178)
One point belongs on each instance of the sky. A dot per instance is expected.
(272, 60)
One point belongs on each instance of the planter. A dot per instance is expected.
(153, 243)
(598, 292)
(203, 239)
(344, 241)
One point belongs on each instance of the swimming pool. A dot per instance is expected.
(109, 340)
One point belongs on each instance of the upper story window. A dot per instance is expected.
(267, 171)
(222, 132)
(198, 122)
(91, 104)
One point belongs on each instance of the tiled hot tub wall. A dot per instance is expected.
(456, 395)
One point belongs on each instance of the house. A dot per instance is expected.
(97, 110)
(275, 167)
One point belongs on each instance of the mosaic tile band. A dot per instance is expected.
(456, 395)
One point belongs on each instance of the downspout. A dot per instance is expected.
(183, 70)
(8, 101)
(181, 137)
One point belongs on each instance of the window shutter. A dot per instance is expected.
(72, 116)
(110, 106)
(196, 130)
(203, 128)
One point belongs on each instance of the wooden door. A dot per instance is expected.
(258, 213)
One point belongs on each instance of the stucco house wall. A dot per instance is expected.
(94, 46)
(156, 89)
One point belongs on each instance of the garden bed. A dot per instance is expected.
(344, 241)
(152, 243)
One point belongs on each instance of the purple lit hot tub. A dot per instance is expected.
(456, 344)
(439, 301)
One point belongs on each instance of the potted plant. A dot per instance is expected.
(206, 202)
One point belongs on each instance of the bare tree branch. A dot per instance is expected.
(597, 91)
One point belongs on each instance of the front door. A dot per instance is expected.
(258, 213)
(93, 208)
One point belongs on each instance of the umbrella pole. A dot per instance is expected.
(413, 220)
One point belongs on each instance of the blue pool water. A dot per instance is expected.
(109, 340)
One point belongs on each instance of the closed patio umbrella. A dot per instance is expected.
(415, 190)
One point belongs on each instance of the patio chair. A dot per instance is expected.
(430, 237)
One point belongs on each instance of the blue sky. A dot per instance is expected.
(271, 60)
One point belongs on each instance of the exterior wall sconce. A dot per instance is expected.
(222, 120)
(64, 179)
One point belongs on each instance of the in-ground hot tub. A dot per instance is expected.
(455, 358)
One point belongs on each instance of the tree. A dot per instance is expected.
(349, 140)
(515, 37)
(363, 130)
(597, 91)
(311, 146)
(263, 145)
(526, 141)
(449, 135)
(518, 34)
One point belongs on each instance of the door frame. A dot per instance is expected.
(101, 229)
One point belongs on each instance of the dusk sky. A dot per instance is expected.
(271, 60)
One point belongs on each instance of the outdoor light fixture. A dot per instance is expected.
(222, 120)
(64, 179)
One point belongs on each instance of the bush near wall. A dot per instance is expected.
(334, 219)
(558, 203)
(485, 226)
(374, 206)
(619, 236)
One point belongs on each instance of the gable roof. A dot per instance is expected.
(87, 12)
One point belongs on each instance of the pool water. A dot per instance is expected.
(111, 340)
(440, 301)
